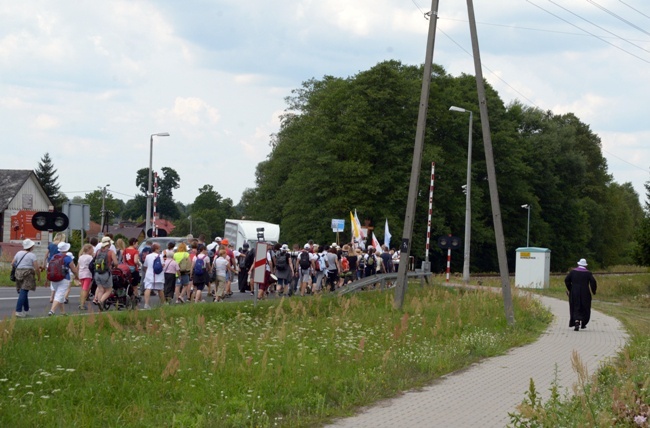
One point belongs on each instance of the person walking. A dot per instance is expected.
(105, 260)
(85, 276)
(580, 284)
(184, 261)
(58, 271)
(153, 280)
(28, 273)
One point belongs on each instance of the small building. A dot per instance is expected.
(533, 267)
(21, 196)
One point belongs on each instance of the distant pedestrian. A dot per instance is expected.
(580, 284)
(28, 273)
(153, 281)
(61, 286)
(85, 276)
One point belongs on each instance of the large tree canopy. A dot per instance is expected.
(347, 144)
(168, 180)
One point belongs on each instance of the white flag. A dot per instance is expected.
(387, 235)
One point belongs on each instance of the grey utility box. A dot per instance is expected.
(533, 267)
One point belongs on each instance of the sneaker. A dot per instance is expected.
(101, 306)
(146, 307)
(21, 314)
(49, 314)
(65, 301)
(83, 308)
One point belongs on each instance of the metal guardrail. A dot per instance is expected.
(381, 278)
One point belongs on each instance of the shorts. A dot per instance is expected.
(305, 275)
(183, 279)
(60, 288)
(154, 286)
(200, 286)
(104, 279)
(85, 283)
(267, 281)
(221, 286)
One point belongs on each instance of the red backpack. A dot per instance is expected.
(56, 268)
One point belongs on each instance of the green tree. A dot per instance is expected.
(168, 181)
(112, 205)
(46, 174)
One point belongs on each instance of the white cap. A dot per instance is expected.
(307, 247)
(63, 247)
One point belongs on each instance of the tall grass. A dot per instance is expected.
(295, 362)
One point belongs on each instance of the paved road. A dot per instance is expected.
(483, 394)
(39, 301)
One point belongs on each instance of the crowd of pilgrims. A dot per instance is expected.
(194, 270)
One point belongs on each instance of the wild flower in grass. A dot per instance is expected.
(4, 380)
(45, 397)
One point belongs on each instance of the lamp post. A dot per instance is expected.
(468, 193)
(527, 206)
(190, 219)
(148, 216)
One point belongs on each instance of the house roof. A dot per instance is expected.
(129, 232)
(11, 180)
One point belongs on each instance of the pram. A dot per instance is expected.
(123, 295)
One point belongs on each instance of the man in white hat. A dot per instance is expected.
(580, 284)
(58, 272)
(27, 274)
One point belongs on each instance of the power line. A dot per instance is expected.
(627, 162)
(604, 9)
(544, 30)
(588, 32)
(598, 26)
(636, 10)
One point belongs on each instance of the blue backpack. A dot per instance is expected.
(199, 266)
(157, 265)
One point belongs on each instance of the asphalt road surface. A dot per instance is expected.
(39, 301)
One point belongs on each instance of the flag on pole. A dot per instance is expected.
(357, 233)
(387, 235)
(375, 243)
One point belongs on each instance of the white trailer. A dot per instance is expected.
(240, 231)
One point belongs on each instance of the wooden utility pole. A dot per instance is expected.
(492, 179)
(405, 246)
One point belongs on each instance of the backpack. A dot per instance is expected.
(304, 260)
(145, 252)
(157, 266)
(242, 261)
(371, 260)
(199, 266)
(56, 269)
(281, 262)
(345, 264)
(101, 262)
(185, 265)
(250, 259)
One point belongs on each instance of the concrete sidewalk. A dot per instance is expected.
(483, 394)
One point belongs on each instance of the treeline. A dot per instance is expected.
(347, 143)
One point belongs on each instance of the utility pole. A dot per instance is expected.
(104, 208)
(492, 180)
(402, 280)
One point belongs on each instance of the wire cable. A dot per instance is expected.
(588, 32)
(604, 9)
(636, 10)
(598, 26)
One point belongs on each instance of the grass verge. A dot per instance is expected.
(294, 362)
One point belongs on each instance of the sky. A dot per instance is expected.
(89, 82)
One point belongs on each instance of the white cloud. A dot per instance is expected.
(45, 122)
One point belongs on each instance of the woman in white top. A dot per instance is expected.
(85, 276)
(28, 273)
(221, 266)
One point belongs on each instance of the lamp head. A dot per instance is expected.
(525, 206)
(454, 108)
(161, 134)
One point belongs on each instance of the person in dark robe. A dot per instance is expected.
(580, 284)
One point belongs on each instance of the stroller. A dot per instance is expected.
(123, 295)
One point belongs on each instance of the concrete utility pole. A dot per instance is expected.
(492, 180)
(103, 208)
(405, 246)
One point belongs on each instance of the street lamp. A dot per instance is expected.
(527, 206)
(468, 192)
(148, 217)
(103, 209)
(190, 219)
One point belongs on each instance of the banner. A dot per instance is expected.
(387, 235)
(357, 233)
(375, 243)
